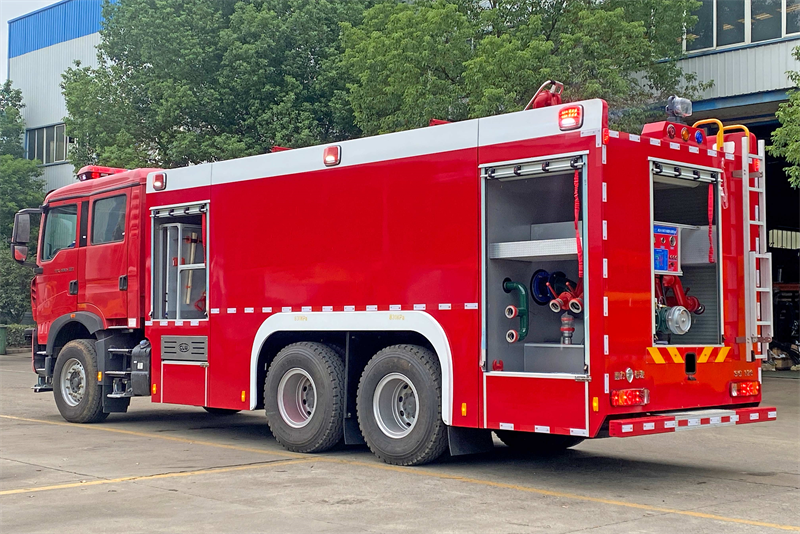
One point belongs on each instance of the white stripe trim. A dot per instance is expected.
(413, 321)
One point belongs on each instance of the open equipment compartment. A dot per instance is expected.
(687, 273)
(530, 229)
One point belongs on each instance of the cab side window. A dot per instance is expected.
(59, 230)
(108, 220)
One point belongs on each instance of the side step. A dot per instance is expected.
(674, 422)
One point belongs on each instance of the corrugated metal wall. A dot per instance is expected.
(56, 176)
(38, 75)
(748, 70)
(54, 24)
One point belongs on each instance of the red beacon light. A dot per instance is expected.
(93, 172)
(570, 117)
(332, 155)
(160, 181)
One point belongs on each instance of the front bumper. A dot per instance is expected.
(689, 420)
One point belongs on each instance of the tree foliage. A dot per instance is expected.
(786, 139)
(20, 187)
(188, 81)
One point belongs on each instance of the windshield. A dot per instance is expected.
(59, 230)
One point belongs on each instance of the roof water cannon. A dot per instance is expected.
(678, 108)
(520, 310)
(546, 97)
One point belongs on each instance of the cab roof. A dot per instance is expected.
(99, 185)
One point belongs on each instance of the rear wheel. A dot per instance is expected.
(304, 397)
(400, 406)
(220, 411)
(77, 392)
(533, 443)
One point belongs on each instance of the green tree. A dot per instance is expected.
(188, 81)
(489, 57)
(20, 187)
(786, 139)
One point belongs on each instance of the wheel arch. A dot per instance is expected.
(77, 325)
(418, 322)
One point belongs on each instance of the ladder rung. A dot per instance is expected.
(763, 323)
(764, 289)
(756, 189)
(761, 256)
(759, 223)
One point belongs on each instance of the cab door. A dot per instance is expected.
(57, 284)
(105, 258)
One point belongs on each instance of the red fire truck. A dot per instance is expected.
(534, 274)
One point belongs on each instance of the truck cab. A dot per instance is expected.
(87, 282)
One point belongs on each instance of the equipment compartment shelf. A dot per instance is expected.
(543, 249)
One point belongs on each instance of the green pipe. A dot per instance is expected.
(522, 307)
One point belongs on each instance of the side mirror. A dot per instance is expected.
(21, 233)
(19, 253)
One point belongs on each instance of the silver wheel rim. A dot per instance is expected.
(73, 382)
(395, 405)
(297, 397)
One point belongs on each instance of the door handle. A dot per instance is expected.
(123, 282)
(73, 287)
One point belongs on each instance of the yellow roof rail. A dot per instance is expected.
(720, 131)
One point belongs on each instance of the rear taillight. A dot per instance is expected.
(630, 397)
(570, 117)
(745, 389)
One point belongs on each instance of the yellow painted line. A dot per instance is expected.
(158, 476)
(676, 356)
(705, 354)
(409, 471)
(723, 353)
(655, 354)
(284, 454)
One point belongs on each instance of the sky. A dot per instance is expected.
(10, 9)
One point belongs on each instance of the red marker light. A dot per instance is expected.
(756, 165)
(745, 389)
(159, 181)
(630, 397)
(570, 117)
(671, 131)
(605, 136)
(332, 155)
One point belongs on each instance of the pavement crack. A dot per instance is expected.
(76, 473)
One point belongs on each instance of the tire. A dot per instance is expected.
(392, 433)
(78, 395)
(302, 375)
(531, 442)
(220, 411)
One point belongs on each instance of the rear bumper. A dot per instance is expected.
(689, 420)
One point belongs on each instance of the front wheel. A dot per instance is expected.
(530, 442)
(400, 406)
(77, 393)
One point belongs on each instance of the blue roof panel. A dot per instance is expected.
(54, 24)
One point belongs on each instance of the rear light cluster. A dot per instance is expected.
(570, 117)
(745, 389)
(630, 397)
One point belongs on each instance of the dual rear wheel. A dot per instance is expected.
(398, 402)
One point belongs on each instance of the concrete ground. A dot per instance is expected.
(162, 468)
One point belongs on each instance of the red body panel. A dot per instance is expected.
(406, 233)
